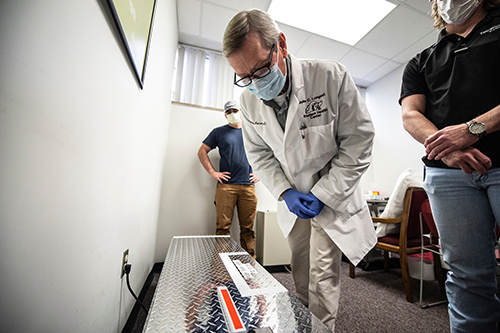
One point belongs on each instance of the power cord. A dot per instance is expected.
(128, 268)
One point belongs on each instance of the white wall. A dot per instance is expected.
(82, 151)
(394, 150)
(187, 204)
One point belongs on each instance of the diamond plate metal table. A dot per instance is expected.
(186, 299)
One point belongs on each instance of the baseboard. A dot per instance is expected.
(129, 325)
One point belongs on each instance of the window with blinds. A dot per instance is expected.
(202, 78)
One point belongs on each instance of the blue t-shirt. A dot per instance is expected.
(233, 158)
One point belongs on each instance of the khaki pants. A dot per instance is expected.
(316, 269)
(227, 196)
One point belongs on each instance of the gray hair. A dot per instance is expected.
(246, 21)
(439, 23)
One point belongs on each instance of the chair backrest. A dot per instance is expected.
(414, 197)
(428, 219)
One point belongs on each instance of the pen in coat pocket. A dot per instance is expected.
(302, 132)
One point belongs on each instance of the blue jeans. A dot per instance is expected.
(465, 208)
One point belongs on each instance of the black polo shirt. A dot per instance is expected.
(460, 78)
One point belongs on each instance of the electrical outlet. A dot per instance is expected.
(124, 262)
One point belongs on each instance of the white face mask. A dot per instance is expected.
(234, 118)
(457, 11)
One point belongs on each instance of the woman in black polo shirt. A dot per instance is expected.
(450, 99)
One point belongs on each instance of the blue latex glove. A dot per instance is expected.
(297, 203)
(316, 205)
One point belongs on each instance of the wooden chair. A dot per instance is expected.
(408, 241)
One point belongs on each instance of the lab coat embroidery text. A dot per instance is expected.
(311, 98)
(257, 122)
(314, 106)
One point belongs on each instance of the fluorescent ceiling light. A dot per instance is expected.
(346, 21)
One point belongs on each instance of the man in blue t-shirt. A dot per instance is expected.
(235, 179)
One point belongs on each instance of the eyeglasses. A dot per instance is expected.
(257, 74)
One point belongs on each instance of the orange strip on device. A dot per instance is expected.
(232, 316)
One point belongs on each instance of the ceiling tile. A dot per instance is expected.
(189, 16)
(396, 32)
(382, 71)
(360, 63)
(417, 47)
(424, 6)
(406, 31)
(322, 48)
(295, 38)
(361, 82)
(214, 20)
(200, 42)
(240, 5)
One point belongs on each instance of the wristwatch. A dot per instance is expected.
(477, 128)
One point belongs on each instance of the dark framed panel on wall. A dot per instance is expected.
(134, 19)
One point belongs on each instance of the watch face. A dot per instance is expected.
(477, 128)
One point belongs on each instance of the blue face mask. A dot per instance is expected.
(269, 86)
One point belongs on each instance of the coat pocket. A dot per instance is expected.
(317, 141)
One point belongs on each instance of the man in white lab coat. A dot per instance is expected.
(308, 137)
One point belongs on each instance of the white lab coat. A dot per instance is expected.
(325, 149)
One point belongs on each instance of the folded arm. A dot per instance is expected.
(454, 141)
(457, 137)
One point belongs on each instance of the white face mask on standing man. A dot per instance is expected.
(232, 112)
(457, 11)
(234, 118)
